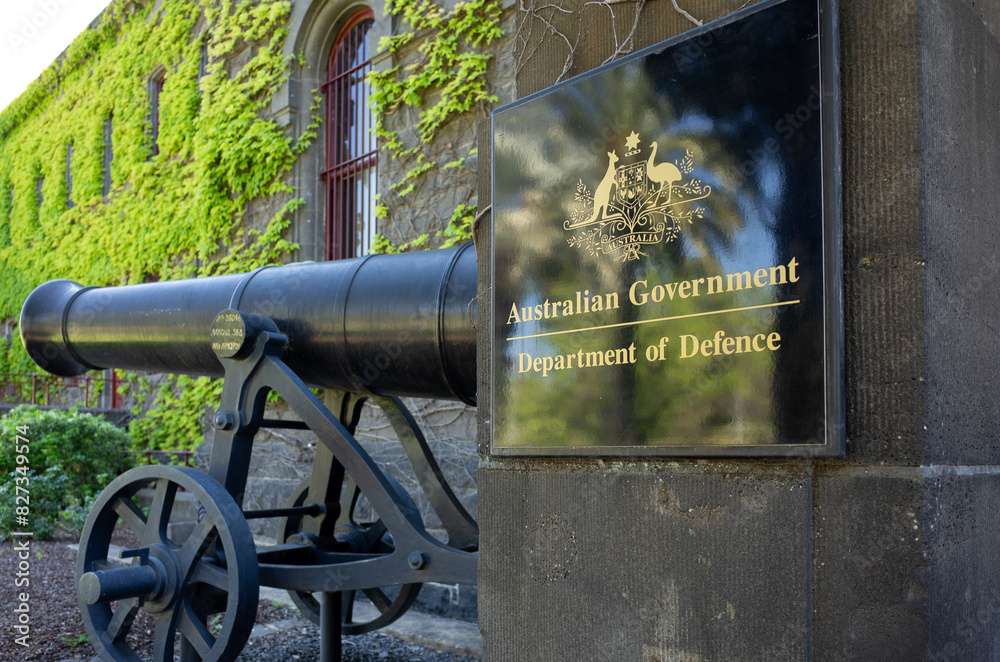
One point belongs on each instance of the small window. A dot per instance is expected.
(6, 214)
(109, 155)
(10, 329)
(155, 90)
(69, 176)
(203, 60)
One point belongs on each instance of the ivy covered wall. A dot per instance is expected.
(177, 138)
(74, 205)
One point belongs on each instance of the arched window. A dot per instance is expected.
(351, 150)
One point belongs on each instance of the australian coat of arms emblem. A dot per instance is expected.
(638, 202)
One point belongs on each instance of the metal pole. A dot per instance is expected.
(329, 627)
(188, 651)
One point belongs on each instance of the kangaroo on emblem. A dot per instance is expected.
(603, 193)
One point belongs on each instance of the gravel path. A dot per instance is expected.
(57, 631)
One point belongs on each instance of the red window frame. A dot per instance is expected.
(350, 174)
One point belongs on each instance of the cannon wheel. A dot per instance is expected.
(211, 570)
(390, 607)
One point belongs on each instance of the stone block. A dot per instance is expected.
(869, 564)
(962, 516)
(644, 562)
(961, 100)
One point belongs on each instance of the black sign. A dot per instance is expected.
(666, 249)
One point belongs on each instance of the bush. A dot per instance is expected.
(70, 458)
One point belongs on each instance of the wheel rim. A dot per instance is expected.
(211, 570)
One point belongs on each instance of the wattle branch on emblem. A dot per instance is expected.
(686, 165)
(687, 215)
(579, 216)
(586, 240)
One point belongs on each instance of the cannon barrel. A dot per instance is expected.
(388, 324)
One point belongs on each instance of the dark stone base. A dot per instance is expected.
(739, 561)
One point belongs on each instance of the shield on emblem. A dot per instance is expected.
(631, 182)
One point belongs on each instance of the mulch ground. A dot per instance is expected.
(56, 627)
(57, 632)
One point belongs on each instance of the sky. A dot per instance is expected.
(32, 35)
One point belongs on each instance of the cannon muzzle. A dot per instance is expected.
(387, 324)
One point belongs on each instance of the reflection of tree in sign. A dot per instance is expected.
(637, 214)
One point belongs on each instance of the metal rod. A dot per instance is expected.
(108, 585)
(287, 425)
(312, 510)
(329, 627)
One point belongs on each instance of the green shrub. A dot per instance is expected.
(70, 458)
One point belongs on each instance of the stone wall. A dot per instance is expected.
(429, 206)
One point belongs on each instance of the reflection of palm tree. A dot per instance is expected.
(662, 173)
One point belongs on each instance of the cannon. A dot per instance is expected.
(378, 327)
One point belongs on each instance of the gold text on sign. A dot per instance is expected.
(641, 294)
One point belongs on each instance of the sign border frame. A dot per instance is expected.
(834, 442)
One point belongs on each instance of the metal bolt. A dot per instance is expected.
(416, 560)
(224, 420)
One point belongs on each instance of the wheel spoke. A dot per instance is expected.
(131, 515)
(390, 608)
(378, 598)
(125, 652)
(204, 534)
(163, 636)
(121, 621)
(194, 630)
(211, 574)
(159, 512)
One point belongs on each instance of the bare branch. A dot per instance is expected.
(686, 15)
(621, 49)
(569, 57)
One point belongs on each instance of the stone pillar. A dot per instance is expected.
(887, 554)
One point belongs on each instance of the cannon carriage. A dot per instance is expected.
(379, 327)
